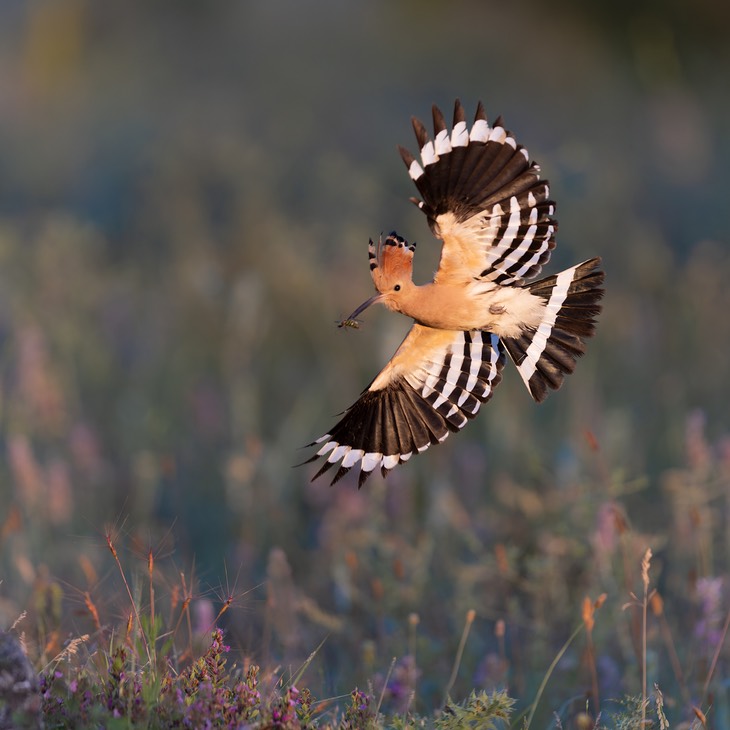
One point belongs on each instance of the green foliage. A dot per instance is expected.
(634, 708)
(481, 711)
(359, 713)
(206, 693)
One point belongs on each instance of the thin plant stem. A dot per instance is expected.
(385, 686)
(718, 649)
(594, 673)
(589, 612)
(295, 679)
(470, 616)
(549, 672)
(150, 572)
(643, 665)
(645, 564)
(413, 620)
(113, 551)
(657, 607)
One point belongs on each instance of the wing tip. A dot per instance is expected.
(439, 123)
(459, 115)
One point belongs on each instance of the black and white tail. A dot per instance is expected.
(545, 355)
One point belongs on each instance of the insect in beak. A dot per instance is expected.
(352, 321)
(349, 322)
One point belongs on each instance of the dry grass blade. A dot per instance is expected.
(716, 656)
(645, 565)
(135, 612)
(470, 616)
(300, 672)
(385, 686)
(546, 677)
(20, 618)
(70, 650)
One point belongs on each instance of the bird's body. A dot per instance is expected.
(487, 202)
(473, 305)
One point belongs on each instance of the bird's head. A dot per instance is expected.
(391, 266)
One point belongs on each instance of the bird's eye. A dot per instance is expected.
(396, 287)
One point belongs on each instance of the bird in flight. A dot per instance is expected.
(484, 199)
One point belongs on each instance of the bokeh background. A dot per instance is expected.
(186, 194)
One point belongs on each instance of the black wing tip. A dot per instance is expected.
(306, 461)
(325, 467)
(439, 123)
(340, 473)
(420, 131)
(459, 115)
(363, 477)
(406, 156)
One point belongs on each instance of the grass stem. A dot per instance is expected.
(713, 664)
(470, 616)
(549, 672)
(113, 550)
(645, 565)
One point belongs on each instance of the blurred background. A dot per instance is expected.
(186, 195)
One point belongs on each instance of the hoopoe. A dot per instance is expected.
(485, 199)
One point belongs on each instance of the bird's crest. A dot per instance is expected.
(390, 260)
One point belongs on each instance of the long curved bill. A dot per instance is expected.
(351, 321)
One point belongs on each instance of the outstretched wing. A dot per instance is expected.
(434, 383)
(484, 198)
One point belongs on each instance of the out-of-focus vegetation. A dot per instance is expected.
(186, 195)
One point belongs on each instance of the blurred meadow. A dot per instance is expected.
(186, 195)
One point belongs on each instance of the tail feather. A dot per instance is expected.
(545, 355)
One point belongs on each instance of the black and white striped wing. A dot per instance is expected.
(484, 198)
(435, 383)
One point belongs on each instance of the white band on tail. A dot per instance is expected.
(528, 366)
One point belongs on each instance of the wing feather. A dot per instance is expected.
(484, 198)
(433, 385)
